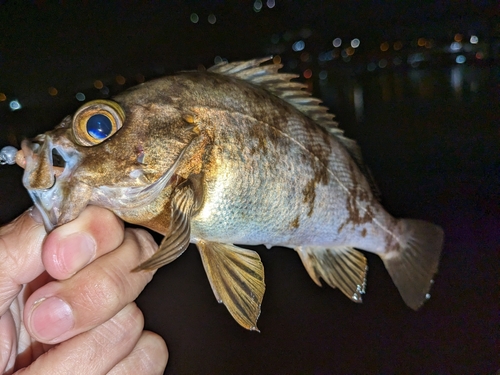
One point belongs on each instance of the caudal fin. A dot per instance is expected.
(413, 266)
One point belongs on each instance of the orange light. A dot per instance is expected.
(421, 42)
(3, 97)
(458, 37)
(120, 79)
(429, 44)
(277, 59)
(398, 45)
(350, 51)
(479, 56)
(98, 84)
(384, 46)
(52, 91)
(307, 73)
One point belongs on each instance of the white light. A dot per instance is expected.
(271, 3)
(298, 46)
(194, 18)
(14, 105)
(474, 39)
(212, 19)
(257, 5)
(80, 96)
(337, 42)
(460, 59)
(355, 43)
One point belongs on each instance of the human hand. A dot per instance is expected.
(66, 298)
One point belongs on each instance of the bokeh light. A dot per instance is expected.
(270, 4)
(212, 19)
(323, 75)
(337, 42)
(14, 105)
(307, 73)
(384, 46)
(52, 91)
(421, 42)
(398, 45)
(277, 59)
(98, 84)
(80, 96)
(460, 59)
(194, 18)
(458, 37)
(120, 79)
(257, 5)
(474, 39)
(355, 43)
(3, 97)
(298, 46)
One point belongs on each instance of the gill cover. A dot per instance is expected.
(96, 121)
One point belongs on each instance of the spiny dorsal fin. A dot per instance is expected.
(280, 84)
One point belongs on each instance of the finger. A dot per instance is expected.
(63, 309)
(20, 262)
(70, 247)
(96, 351)
(149, 356)
(8, 342)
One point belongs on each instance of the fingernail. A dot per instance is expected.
(76, 251)
(50, 318)
(36, 215)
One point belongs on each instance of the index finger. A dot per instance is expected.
(20, 259)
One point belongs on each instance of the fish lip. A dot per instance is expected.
(48, 200)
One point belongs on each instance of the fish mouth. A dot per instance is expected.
(48, 168)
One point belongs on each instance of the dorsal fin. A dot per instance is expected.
(280, 84)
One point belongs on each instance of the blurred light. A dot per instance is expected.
(343, 53)
(307, 73)
(120, 79)
(371, 67)
(456, 80)
(105, 91)
(275, 39)
(277, 59)
(298, 46)
(458, 37)
(218, 60)
(270, 3)
(80, 96)
(323, 75)
(326, 56)
(52, 91)
(212, 19)
(355, 43)
(346, 59)
(14, 105)
(384, 46)
(194, 18)
(3, 97)
(429, 44)
(337, 42)
(474, 39)
(398, 45)
(397, 61)
(415, 59)
(358, 102)
(455, 46)
(98, 84)
(304, 57)
(257, 5)
(139, 78)
(421, 42)
(460, 59)
(479, 56)
(350, 51)
(382, 63)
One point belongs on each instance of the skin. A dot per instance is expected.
(85, 263)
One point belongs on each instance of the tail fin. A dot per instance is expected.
(413, 266)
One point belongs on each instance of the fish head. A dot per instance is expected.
(118, 154)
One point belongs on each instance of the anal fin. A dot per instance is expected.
(236, 276)
(340, 267)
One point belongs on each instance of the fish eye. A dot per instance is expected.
(96, 121)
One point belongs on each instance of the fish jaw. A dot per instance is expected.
(49, 185)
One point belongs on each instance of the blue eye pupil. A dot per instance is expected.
(99, 126)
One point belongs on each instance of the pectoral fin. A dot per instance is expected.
(178, 237)
(236, 276)
(340, 267)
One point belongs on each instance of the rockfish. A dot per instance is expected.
(237, 154)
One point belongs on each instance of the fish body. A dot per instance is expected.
(238, 154)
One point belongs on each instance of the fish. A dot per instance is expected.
(239, 153)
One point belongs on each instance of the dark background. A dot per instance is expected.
(428, 125)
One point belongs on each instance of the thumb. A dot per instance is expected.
(20, 255)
